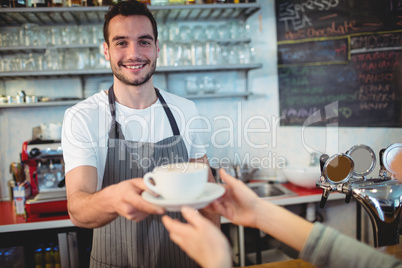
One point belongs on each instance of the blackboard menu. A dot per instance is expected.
(340, 62)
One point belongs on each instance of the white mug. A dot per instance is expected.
(179, 181)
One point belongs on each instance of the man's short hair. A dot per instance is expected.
(128, 8)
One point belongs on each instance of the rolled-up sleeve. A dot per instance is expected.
(326, 247)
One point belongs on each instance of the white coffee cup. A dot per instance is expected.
(180, 181)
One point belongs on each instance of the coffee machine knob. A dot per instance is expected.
(34, 152)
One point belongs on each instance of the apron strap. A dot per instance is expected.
(112, 106)
(169, 114)
(113, 133)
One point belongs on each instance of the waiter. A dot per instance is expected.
(111, 139)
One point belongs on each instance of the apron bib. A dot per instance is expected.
(125, 243)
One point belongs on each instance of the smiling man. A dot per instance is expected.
(113, 138)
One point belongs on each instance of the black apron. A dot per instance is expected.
(125, 243)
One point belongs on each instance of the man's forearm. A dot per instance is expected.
(90, 210)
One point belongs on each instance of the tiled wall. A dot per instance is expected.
(271, 145)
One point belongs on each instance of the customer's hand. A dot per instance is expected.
(239, 204)
(200, 239)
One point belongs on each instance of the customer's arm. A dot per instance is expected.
(326, 247)
(90, 209)
(212, 216)
(321, 246)
(242, 206)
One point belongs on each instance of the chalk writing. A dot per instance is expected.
(376, 40)
(348, 52)
(335, 29)
(313, 52)
(294, 15)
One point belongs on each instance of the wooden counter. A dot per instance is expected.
(284, 264)
(10, 222)
(395, 251)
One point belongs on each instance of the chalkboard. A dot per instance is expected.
(340, 62)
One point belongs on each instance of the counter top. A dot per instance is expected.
(303, 195)
(395, 250)
(298, 263)
(9, 222)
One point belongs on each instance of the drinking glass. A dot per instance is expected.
(232, 57)
(185, 33)
(211, 32)
(168, 55)
(82, 56)
(6, 63)
(163, 33)
(192, 85)
(173, 32)
(212, 53)
(198, 53)
(184, 54)
(84, 34)
(53, 36)
(199, 33)
(236, 29)
(31, 34)
(208, 84)
(244, 54)
(15, 38)
(6, 38)
(53, 59)
(29, 62)
(74, 36)
(97, 34)
(16, 63)
(223, 31)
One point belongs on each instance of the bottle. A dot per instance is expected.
(105, 2)
(49, 262)
(74, 3)
(57, 3)
(13, 3)
(147, 2)
(5, 3)
(21, 3)
(39, 3)
(176, 2)
(56, 257)
(39, 258)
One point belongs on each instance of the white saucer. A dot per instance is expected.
(212, 191)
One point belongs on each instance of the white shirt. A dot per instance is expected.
(86, 128)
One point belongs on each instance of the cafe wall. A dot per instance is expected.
(236, 130)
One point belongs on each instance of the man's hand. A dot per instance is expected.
(129, 202)
(89, 208)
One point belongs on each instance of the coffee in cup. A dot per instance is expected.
(179, 181)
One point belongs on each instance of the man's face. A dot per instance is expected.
(132, 50)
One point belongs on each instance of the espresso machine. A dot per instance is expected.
(381, 197)
(43, 161)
